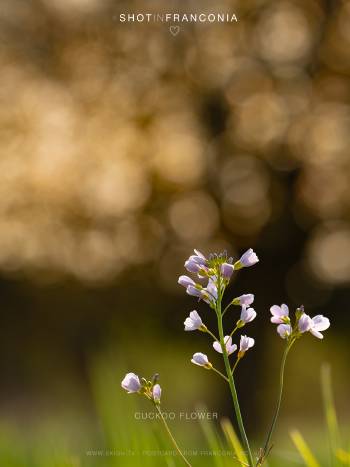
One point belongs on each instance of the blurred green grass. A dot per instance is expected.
(119, 439)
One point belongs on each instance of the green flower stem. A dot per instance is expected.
(235, 329)
(219, 373)
(279, 400)
(171, 436)
(230, 377)
(212, 335)
(235, 365)
(228, 306)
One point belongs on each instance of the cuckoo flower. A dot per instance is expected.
(210, 293)
(194, 322)
(247, 315)
(245, 344)
(280, 314)
(227, 270)
(185, 281)
(249, 258)
(201, 359)
(195, 291)
(197, 263)
(304, 323)
(152, 391)
(319, 323)
(284, 330)
(230, 348)
(131, 383)
(192, 266)
(199, 257)
(245, 299)
(156, 393)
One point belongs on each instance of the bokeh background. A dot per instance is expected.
(121, 149)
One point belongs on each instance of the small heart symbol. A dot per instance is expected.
(174, 30)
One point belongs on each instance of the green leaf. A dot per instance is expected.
(304, 450)
(233, 441)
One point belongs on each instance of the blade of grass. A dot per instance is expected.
(330, 412)
(303, 449)
(343, 456)
(213, 439)
(233, 441)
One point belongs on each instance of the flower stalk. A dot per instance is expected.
(230, 376)
(166, 426)
(267, 446)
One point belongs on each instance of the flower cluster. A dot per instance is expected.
(303, 323)
(211, 276)
(204, 267)
(218, 270)
(151, 389)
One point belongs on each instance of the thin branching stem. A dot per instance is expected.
(219, 373)
(212, 335)
(171, 436)
(279, 400)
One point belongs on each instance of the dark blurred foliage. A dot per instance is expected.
(122, 148)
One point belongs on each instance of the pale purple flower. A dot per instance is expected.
(193, 322)
(319, 323)
(200, 258)
(192, 266)
(249, 258)
(246, 343)
(131, 383)
(247, 314)
(156, 392)
(196, 263)
(230, 348)
(284, 330)
(305, 323)
(245, 299)
(280, 314)
(185, 281)
(210, 293)
(201, 359)
(194, 291)
(226, 270)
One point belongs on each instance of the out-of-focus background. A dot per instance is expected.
(122, 148)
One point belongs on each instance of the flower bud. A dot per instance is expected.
(284, 330)
(185, 281)
(245, 299)
(226, 270)
(131, 383)
(201, 359)
(249, 258)
(156, 393)
(247, 314)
